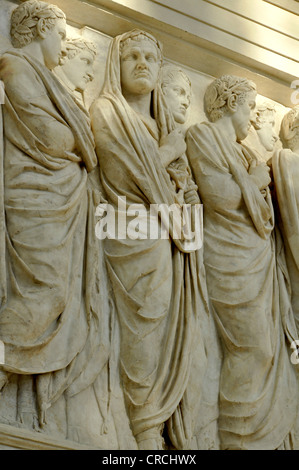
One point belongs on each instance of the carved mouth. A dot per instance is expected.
(142, 75)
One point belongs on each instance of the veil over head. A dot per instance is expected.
(112, 83)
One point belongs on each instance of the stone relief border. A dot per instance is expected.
(178, 45)
(15, 438)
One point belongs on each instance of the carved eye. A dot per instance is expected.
(179, 91)
(130, 56)
(151, 58)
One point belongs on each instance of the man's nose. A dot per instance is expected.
(141, 62)
(63, 48)
(185, 101)
(252, 116)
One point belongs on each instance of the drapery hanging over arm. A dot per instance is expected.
(3, 286)
(159, 289)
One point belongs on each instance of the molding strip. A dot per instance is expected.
(18, 438)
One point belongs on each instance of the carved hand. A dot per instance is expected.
(172, 147)
(260, 174)
(191, 197)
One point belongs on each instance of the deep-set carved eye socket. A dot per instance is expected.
(151, 58)
(130, 56)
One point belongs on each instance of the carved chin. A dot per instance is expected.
(270, 147)
(143, 85)
(180, 117)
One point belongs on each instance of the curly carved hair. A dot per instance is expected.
(74, 46)
(220, 90)
(289, 129)
(169, 74)
(25, 17)
(263, 113)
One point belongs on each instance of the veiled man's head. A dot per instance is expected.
(140, 63)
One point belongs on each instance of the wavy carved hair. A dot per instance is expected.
(74, 46)
(263, 113)
(289, 129)
(25, 18)
(169, 74)
(220, 90)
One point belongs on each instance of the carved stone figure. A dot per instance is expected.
(264, 124)
(176, 88)
(159, 289)
(53, 317)
(258, 387)
(285, 166)
(75, 68)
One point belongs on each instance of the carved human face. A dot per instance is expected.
(139, 67)
(267, 134)
(243, 115)
(52, 42)
(177, 95)
(79, 69)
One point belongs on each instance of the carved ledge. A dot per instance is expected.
(17, 438)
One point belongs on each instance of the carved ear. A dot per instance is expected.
(42, 28)
(232, 103)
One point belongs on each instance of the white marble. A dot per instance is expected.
(142, 342)
(245, 274)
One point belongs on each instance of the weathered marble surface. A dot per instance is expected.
(140, 343)
(285, 173)
(156, 314)
(56, 331)
(245, 281)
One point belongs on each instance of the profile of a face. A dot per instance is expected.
(79, 69)
(289, 129)
(178, 96)
(266, 132)
(139, 66)
(52, 43)
(242, 112)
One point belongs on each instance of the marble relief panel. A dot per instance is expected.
(139, 342)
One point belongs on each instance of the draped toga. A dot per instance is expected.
(50, 315)
(159, 289)
(285, 166)
(248, 291)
